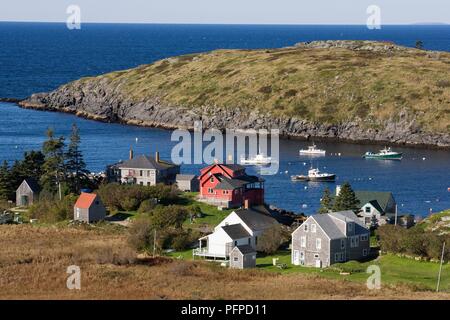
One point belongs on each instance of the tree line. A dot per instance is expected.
(57, 168)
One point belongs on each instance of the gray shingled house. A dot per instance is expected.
(242, 257)
(143, 170)
(27, 193)
(324, 239)
(187, 182)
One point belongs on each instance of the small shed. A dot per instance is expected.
(27, 193)
(89, 208)
(187, 182)
(242, 257)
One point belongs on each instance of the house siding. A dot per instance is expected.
(242, 261)
(95, 213)
(25, 191)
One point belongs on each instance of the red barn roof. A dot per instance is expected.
(85, 200)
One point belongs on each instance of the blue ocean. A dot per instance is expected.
(37, 57)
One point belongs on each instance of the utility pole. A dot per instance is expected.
(396, 213)
(154, 243)
(440, 268)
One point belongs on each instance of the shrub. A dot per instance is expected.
(147, 206)
(169, 217)
(141, 235)
(51, 210)
(271, 239)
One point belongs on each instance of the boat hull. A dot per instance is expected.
(398, 156)
(329, 178)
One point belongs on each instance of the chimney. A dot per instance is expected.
(131, 153)
(246, 204)
(157, 156)
(338, 190)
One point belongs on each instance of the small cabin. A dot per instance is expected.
(243, 257)
(89, 208)
(27, 193)
(187, 182)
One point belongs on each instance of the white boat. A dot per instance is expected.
(312, 150)
(315, 175)
(259, 159)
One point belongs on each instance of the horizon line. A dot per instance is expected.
(234, 23)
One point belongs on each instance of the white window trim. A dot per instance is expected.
(318, 243)
(303, 241)
(313, 228)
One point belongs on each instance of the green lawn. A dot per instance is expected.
(211, 215)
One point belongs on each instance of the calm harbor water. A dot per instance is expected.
(40, 57)
(419, 182)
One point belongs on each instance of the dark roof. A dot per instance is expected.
(146, 162)
(245, 249)
(255, 220)
(328, 224)
(236, 231)
(375, 204)
(379, 196)
(234, 183)
(234, 167)
(33, 184)
(186, 177)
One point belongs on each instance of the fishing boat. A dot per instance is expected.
(313, 151)
(315, 175)
(259, 159)
(384, 154)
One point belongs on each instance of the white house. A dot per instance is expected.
(240, 228)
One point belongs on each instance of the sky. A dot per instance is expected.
(229, 11)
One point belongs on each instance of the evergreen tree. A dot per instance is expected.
(53, 166)
(419, 44)
(75, 165)
(31, 165)
(346, 199)
(5, 186)
(326, 203)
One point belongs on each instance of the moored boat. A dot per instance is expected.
(313, 151)
(259, 159)
(315, 175)
(384, 154)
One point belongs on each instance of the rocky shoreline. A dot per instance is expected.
(103, 104)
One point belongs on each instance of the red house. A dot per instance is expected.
(228, 186)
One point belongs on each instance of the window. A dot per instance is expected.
(313, 228)
(367, 209)
(350, 226)
(318, 243)
(141, 173)
(210, 190)
(212, 179)
(256, 241)
(336, 257)
(352, 242)
(356, 241)
(235, 259)
(316, 256)
(254, 257)
(148, 183)
(339, 256)
(306, 228)
(141, 183)
(367, 220)
(364, 237)
(235, 243)
(249, 241)
(342, 243)
(364, 252)
(303, 242)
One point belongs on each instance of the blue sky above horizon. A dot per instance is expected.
(229, 11)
